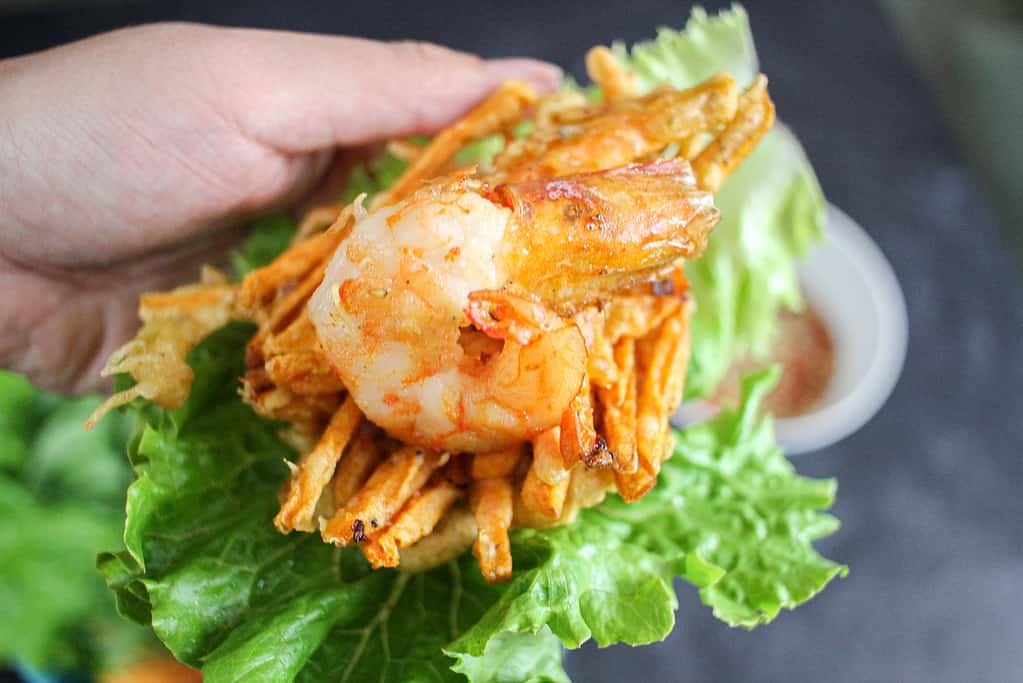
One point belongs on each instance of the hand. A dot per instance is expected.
(129, 159)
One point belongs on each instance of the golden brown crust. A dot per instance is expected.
(490, 501)
(604, 69)
(315, 470)
(417, 519)
(374, 506)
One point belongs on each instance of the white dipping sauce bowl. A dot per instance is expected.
(853, 288)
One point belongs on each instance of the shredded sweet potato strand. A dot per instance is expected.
(490, 501)
(606, 71)
(374, 505)
(503, 107)
(417, 519)
(315, 470)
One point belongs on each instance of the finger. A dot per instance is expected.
(350, 91)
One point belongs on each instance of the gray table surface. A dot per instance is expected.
(929, 490)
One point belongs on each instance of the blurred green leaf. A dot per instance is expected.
(269, 236)
(61, 501)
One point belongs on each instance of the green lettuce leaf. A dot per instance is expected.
(772, 208)
(706, 46)
(730, 496)
(516, 658)
(223, 590)
(61, 501)
(375, 175)
(268, 236)
(18, 418)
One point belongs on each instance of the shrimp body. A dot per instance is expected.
(440, 314)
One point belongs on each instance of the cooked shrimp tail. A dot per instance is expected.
(542, 363)
(577, 238)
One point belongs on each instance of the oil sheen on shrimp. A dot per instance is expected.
(445, 315)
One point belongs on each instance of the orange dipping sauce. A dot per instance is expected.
(806, 353)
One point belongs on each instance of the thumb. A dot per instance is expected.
(304, 92)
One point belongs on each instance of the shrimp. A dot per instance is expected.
(618, 132)
(447, 315)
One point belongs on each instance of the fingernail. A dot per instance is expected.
(543, 75)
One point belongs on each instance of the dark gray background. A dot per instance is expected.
(929, 490)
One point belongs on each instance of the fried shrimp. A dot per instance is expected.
(440, 314)
(488, 347)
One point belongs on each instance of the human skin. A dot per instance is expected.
(129, 159)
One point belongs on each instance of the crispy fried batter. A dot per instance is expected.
(618, 408)
(318, 220)
(606, 71)
(494, 465)
(405, 150)
(547, 480)
(490, 501)
(450, 538)
(400, 502)
(579, 438)
(289, 378)
(657, 356)
(417, 519)
(600, 366)
(558, 107)
(294, 360)
(315, 469)
(359, 461)
(620, 132)
(588, 488)
(263, 285)
(374, 505)
(635, 315)
(173, 323)
(675, 380)
(278, 403)
(754, 118)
